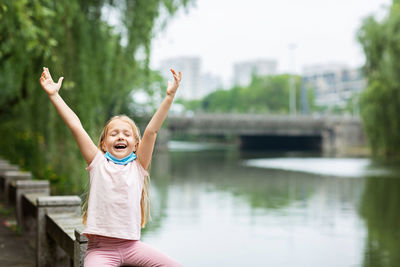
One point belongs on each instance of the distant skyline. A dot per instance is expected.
(225, 32)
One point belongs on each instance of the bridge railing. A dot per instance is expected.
(51, 224)
(331, 134)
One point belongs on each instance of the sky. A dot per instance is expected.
(222, 32)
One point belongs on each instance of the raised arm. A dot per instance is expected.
(85, 143)
(146, 146)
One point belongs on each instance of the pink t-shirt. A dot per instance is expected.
(114, 199)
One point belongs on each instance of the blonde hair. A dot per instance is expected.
(145, 199)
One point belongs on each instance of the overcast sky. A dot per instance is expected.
(222, 32)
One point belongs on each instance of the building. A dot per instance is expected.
(190, 87)
(333, 84)
(194, 84)
(210, 83)
(243, 71)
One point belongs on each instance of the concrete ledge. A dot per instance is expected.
(80, 248)
(15, 174)
(29, 205)
(58, 201)
(31, 198)
(61, 227)
(46, 245)
(8, 167)
(12, 194)
(53, 222)
(31, 184)
(21, 187)
(29, 215)
(9, 177)
(3, 169)
(79, 236)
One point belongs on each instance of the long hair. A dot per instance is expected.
(145, 199)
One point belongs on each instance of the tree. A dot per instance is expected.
(265, 94)
(380, 102)
(101, 64)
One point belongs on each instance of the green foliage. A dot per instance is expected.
(351, 107)
(268, 94)
(190, 104)
(380, 210)
(380, 102)
(101, 64)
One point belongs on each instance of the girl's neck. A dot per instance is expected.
(123, 161)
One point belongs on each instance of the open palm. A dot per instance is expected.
(48, 84)
(172, 87)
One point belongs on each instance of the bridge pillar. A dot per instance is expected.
(328, 141)
(344, 137)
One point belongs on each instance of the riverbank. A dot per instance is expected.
(355, 151)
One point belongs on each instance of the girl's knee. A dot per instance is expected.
(147, 255)
(95, 258)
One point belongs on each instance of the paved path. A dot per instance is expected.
(14, 250)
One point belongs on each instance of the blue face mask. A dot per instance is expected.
(123, 161)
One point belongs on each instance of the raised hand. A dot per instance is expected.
(48, 84)
(172, 87)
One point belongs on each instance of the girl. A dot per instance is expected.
(118, 199)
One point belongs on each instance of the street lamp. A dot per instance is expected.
(292, 82)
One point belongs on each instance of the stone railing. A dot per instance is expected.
(54, 223)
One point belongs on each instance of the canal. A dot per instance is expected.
(217, 206)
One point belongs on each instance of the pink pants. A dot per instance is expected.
(108, 251)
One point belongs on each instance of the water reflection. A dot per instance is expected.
(381, 210)
(211, 210)
(340, 167)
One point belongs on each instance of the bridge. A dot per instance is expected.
(326, 133)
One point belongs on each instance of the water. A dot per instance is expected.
(218, 207)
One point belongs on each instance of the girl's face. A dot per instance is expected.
(120, 140)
